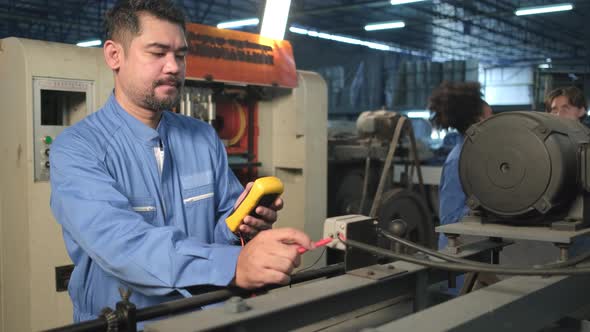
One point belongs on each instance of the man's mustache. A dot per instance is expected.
(174, 81)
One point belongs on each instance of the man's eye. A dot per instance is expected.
(158, 54)
(180, 56)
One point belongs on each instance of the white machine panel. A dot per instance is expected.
(44, 88)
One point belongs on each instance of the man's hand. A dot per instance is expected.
(270, 258)
(268, 215)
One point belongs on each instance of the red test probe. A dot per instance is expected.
(320, 243)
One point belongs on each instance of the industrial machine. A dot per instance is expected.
(272, 119)
(44, 87)
(534, 172)
(530, 170)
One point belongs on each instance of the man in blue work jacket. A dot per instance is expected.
(142, 193)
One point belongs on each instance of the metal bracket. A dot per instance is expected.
(127, 314)
(124, 317)
(570, 226)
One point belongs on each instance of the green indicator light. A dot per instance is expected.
(48, 139)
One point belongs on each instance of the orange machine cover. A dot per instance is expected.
(238, 57)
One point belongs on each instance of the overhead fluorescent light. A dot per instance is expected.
(354, 41)
(238, 23)
(385, 25)
(544, 66)
(90, 43)
(274, 21)
(402, 2)
(342, 39)
(544, 9)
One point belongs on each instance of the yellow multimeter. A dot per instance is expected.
(263, 193)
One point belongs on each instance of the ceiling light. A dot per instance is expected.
(342, 39)
(354, 41)
(385, 25)
(90, 43)
(401, 2)
(544, 9)
(274, 22)
(238, 24)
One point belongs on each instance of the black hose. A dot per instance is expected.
(96, 325)
(468, 267)
(571, 262)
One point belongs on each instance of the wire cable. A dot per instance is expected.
(308, 267)
(572, 262)
(314, 263)
(242, 242)
(428, 251)
(467, 267)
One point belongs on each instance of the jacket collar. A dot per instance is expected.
(144, 133)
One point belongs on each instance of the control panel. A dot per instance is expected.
(57, 104)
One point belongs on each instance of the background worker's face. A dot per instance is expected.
(153, 69)
(561, 106)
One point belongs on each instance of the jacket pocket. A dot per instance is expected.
(197, 195)
(145, 206)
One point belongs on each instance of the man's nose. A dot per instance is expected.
(173, 64)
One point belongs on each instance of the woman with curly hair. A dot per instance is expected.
(455, 105)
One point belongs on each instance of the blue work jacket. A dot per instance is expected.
(453, 206)
(125, 224)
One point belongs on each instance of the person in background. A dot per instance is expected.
(142, 193)
(569, 103)
(455, 105)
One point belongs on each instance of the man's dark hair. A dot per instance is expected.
(456, 105)
(574, 95)
(122, 21)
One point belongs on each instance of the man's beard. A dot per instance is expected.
(166, 103)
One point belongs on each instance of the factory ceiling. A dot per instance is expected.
(486, 30)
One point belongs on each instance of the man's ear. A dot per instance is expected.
(113, 54)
